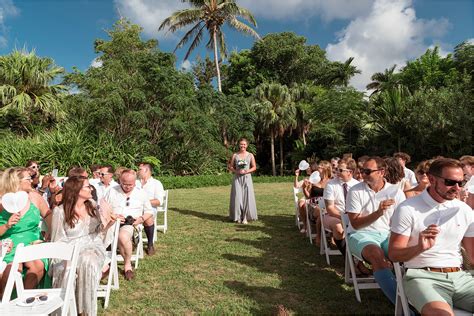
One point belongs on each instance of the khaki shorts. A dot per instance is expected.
(330, 221)
(455, 288)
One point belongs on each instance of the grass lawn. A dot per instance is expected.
(207, 265)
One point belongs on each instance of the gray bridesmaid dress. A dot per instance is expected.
(242, 197)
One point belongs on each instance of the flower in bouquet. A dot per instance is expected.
(241, 163)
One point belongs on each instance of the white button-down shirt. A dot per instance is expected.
(154, 189)
(135, 205)
(334, 191)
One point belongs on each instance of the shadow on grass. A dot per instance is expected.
(206, 216)
(307, 284)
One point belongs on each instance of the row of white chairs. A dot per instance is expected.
(63, 299)
(350, 276)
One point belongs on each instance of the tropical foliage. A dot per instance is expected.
(136, 105)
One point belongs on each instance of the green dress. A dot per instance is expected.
(25, 231)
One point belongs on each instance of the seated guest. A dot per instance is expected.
(95, 171)
(335, 195)
(427, 234)
(23, 226)
(77, 221)
(467, 193)
(81, 172)
(404, 158)
(34, 168)
(106, 181)
(118, 173)
(302, 184)
(421, 173)
(155, 192)
(316, 190)
(394, 174)
(370, 206)
(133, 207)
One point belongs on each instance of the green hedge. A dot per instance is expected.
(191, 182)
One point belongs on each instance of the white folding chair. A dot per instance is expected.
(296, 199)
(163, 208)
(58, 298)
(350, 276)
(309, 233)
(401, 303)
(324, 249)
(139, 248)
(112, 279)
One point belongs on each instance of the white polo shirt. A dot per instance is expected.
(136, 204)
(102, 190)
(362, 199)
(153, 188)
(454, 218)
(335, 192)
(410, 177)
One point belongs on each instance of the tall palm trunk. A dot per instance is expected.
(281, 155)
(272, 151)
(216, 60)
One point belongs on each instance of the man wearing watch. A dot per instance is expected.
(133, 207)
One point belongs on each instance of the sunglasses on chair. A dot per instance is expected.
(40, 298)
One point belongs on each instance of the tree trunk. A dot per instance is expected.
(272, 151)
(304, 138)
(216, 60)
(281, 155)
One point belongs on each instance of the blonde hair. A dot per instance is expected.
(10, 179)
(326, 173)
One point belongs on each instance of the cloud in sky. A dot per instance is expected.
(390, 34)
(186, 65)
(149, 13)
(7, 9)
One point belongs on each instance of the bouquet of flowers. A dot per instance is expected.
(241, 163)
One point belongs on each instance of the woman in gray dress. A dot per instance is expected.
(242, 198)
(77, 221)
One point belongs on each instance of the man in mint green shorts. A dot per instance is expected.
(427, 233)
(369, 206)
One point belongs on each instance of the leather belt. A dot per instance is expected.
(443, 270)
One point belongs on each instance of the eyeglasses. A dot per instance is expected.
(342, 170)
(451, 182)
(40, 297)
(103, 174)
(368, 171)
(127, 202)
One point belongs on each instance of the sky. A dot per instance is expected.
(377, 33)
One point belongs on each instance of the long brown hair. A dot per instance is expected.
(70, 196)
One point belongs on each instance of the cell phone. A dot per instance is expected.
(54, 173)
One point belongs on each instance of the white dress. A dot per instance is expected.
(94, 240)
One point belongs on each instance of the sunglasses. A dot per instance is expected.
(27, 178)
(40, 298)
(342, 170)
(103, 174)
(127, 202)
(368, 171)
(421, 172)
(34, 167)
(451, 182)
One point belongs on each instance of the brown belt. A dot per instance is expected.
(443, 270)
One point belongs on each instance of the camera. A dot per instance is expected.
(129, 220)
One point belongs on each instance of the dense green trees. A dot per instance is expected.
(137, 104)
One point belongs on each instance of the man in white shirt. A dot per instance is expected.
(370, 206)
(335, 194)
(155, 192)
(403, 159)
(106, 182)
(427, 233)
(133, 207)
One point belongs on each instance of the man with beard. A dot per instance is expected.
(427, 233)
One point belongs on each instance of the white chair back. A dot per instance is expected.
(58, 298)
(325, 233)
(162, 209)
(112, 279)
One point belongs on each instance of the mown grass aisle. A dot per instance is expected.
(208, 265)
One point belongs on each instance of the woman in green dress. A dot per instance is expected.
(23, 226)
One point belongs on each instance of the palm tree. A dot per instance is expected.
(210, 15)
(276, 111)
(26, 86)
(383, 81)
(342, 73)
